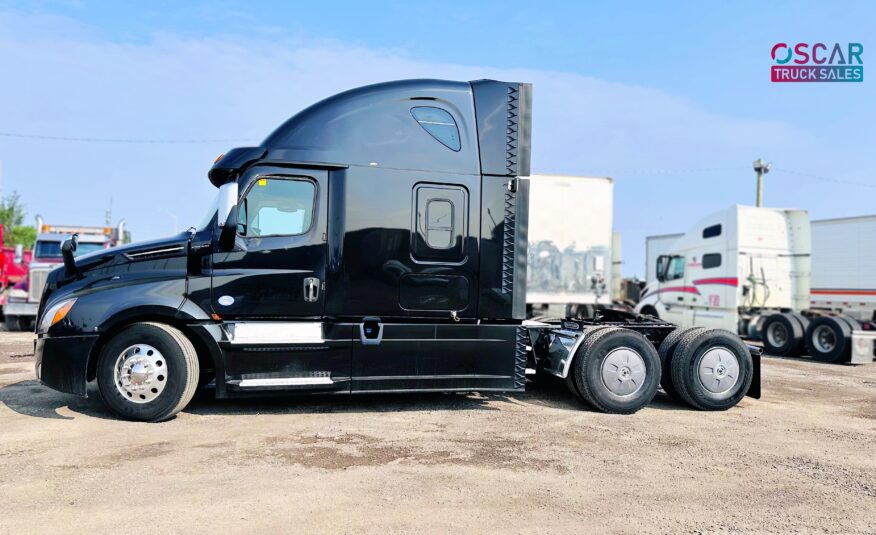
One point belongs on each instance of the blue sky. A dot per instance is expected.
(673, 101)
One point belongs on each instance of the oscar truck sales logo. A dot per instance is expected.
(817, 62)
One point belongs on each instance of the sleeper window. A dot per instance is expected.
(711, 260)
(277, 207)
(711, 232)
(439, 124)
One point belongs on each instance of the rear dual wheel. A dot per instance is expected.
(783, 334)
(710, 369)
(666, 350)
(615, 370)
(829, 338)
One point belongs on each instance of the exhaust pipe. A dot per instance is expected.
(39, 224)
(120, 232)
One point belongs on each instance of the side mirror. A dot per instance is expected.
(68, 250)
(229, 229)
(19, 254)
(662, 266)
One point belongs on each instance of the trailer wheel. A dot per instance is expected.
(148, 372)
(666, 349)
(782, 335)
(617, 370)
(712, 369)
(829, 339)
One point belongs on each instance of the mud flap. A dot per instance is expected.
(754, 389)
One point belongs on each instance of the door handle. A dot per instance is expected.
(311, 289)
(680, 298)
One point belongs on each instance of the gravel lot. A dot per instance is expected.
(801, 459)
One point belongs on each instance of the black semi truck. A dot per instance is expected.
(375, 242)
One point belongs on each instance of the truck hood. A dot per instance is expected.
(160, 248)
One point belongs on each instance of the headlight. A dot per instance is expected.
(56, 313)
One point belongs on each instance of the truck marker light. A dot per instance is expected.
(62, 312)
(263, 182)
(216, 317)
(54, 314)
(218, 158)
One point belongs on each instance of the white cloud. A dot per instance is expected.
(61, 78)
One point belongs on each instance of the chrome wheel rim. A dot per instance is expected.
(824, 339)
(623, 371)
(140, 373)
(718, 371)
(777, 334)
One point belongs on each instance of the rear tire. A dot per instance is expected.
(617, 370)
(712, 369)
(148, 372)
(783, 335)
(570, 377)
(666, 350)
(829, 339)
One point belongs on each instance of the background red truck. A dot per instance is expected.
(22, 296)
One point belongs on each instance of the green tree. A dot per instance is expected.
(12, 214)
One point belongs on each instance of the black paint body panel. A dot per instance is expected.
(426, 236)
(62, 363)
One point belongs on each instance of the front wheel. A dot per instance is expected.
(148, 372)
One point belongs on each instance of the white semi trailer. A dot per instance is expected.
(570, 262)
(770, 274)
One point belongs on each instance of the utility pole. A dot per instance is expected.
(761, 169)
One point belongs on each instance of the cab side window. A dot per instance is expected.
(676, 268)
(277, 207)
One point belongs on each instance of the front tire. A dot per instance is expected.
(617, 370)
(12, 323)
(148, 372)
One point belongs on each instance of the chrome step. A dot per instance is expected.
(286, 381)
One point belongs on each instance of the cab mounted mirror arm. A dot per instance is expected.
(68, 250)
(229, 230)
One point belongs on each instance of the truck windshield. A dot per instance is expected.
(52, 249)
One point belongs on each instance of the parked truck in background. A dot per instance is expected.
(570, 265)
(375, 242)
(770, 274)
(23, 298)
(14, 261)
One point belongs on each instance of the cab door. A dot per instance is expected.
(676, 294)
(277, 266)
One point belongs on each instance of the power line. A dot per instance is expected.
(122, 140)
(824, 178)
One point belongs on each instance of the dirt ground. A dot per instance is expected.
(802, 459)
